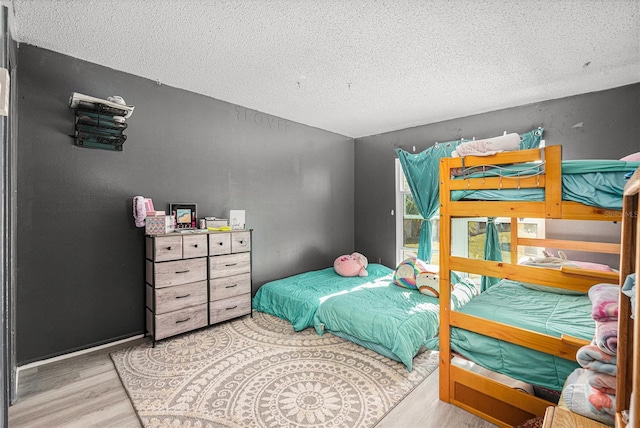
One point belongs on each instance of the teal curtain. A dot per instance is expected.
(423, 175)
(491, 251)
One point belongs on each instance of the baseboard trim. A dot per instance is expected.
(74, 354)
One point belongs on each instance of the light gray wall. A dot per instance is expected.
(79, 255)
(599, 125)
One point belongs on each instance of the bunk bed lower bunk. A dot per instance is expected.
(537, 340)
(370, 311)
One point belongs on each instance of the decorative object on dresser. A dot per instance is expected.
(195, 280)
(185, 215)
(237, 219)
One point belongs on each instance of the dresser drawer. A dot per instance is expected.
(219, 243)
(164, 248)
(175, 273)
(221, 288)
(170, 299)
(180, 321)
(240, 242)
(194, 246)
(231, 307)
(228, 265)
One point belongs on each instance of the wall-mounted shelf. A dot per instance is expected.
(99, 123)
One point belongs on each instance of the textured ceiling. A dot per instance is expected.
(359, 67)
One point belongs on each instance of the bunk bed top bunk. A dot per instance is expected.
(479, 394)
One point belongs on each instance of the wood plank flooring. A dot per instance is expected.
(85, 391)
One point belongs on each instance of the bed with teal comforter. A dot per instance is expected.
(510, 302)
(371, 311)
(296, 298)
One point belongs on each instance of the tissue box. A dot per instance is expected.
(159, 225)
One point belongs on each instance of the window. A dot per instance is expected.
(409, 221)
(468, 234)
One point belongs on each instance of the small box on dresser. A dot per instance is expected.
(176, 284)
(229, 275)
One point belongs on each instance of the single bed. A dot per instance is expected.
(371, 311)
(297, 298)
(522, 325)
(388, 319)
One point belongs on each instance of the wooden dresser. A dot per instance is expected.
(196, 279)
(229, 275)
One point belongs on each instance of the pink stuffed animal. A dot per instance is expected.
(351, 265)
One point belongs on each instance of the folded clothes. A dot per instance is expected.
(629, 289)
(586, 401)
(604, 301)
(606, 336)
(593, 358)
(488, 146)
(602, 382)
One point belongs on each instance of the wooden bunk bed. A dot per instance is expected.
(481, 395)
(629, 328)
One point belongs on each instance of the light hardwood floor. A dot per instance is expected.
(85, 391)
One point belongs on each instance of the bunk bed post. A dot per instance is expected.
(514, 239)
(553, 172)
(445, 278)
(628, 381)
(625, 334)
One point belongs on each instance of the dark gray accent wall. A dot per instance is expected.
(598, 125)
(80, 278)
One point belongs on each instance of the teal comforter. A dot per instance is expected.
(544, 312)
(296, 298)
(395, 319)
(371, 311)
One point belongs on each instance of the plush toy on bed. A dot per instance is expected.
(428, 282)
(351, 265)
(416, 274)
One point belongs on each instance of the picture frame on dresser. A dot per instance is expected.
(185, 214)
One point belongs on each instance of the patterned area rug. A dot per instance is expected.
(257, 372)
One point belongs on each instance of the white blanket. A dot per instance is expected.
(488, 146)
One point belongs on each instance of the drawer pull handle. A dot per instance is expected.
(230, 286)
(179, 321)
(168, 248)
(183, 271)
(231, 264)
(232, 307)
(195, 245)
(220, 243)
(241, 242)
(182, 297)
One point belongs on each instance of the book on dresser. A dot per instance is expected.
(196, 280)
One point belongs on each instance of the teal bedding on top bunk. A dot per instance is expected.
(391, 320)
(598, 183)
(296, 298)
(510, 303)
